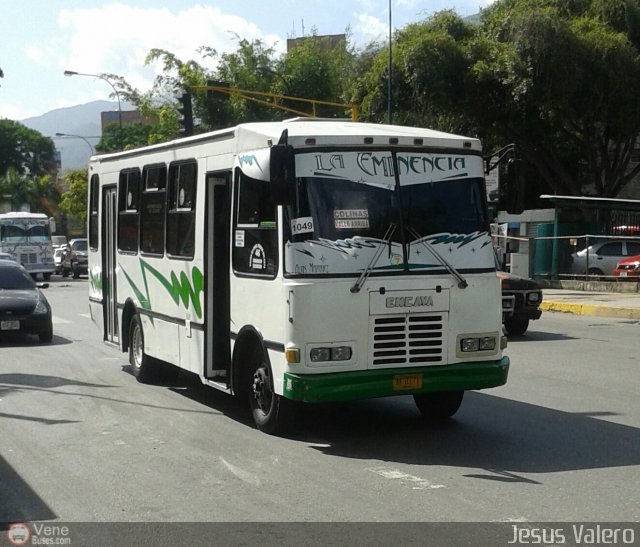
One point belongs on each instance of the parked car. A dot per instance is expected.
(23, 306)
(58, 254)
(521, 299)
(6, 256)
(628, 267)
(75, 259)
(58, 241)
(603, 257)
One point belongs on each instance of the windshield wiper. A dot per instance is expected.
(462, 282)
(374, 260)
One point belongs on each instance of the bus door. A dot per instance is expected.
(108, 243)
(216, 290)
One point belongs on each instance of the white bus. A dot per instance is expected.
(301, 261)
(27, 238)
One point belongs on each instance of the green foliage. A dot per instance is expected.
(558, 78)
(24, 150)
(74, 199)
(131, 135)
(38, 193)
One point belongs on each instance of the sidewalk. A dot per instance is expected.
(603, 304)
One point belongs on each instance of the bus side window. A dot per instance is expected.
(128, 210)
(153, 202)
(94, 197)
(181, 213)
(255, 249)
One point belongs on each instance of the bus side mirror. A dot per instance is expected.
(514, 195)
(282, 173)
(52, 225)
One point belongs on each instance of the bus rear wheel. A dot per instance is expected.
(438, 406)
(142, 365)
(272, 413)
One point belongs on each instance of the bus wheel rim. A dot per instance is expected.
(262, 389)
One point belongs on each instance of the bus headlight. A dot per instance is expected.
(334, 353)
(478, 342)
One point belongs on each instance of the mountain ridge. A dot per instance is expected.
(82, 124)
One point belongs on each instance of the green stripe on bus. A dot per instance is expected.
(370, 383)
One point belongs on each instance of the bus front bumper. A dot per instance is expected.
(367, 384)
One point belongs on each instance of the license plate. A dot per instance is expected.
(623, 274)
(407, 381)
(9, 325)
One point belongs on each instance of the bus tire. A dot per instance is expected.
(438, 406)
(272, 413)
(142, 366)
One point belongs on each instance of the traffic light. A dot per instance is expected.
(186, 110)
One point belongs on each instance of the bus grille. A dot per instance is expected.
(408, 340)
(28, 258)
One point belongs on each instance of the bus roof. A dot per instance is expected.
(324, 132)
(19, 214)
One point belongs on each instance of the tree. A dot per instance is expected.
(115, 138)
(310, 71)
(316, 68)
(74, 199)
(558, 79)
(24, 150)
(38, 193)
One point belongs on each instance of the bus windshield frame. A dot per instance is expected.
(340, 216)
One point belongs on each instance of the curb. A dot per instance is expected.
(589, 309)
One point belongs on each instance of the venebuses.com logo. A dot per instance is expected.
(36, 533)
(19, 533)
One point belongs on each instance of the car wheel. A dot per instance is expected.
(438, 406)
(46, 336)
(516, 325)
(595, 271)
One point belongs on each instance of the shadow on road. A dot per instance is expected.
(506, 438)
(27, 340)
(18, 501)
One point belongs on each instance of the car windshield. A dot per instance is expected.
(12, 278)
(80, 245)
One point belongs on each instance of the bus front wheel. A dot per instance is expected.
(438, 406)
(272, 413)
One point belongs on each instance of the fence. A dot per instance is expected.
(566, 257)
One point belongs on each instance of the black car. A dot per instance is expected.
(521, 299)
(23, 307)
(75, 259)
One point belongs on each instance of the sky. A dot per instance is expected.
(40, 39)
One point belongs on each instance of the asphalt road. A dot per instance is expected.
(82, 441)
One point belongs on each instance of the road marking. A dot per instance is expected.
(415, 483)
(243, 475)
(59, 320)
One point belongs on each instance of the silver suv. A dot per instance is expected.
(603, 257)
(75, 259)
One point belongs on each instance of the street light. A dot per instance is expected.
(78, 137)
(106, 79)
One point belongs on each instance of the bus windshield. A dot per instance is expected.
(335, 225)
(13, 233)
